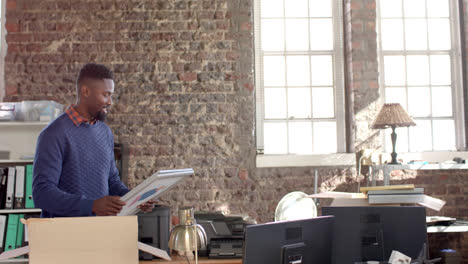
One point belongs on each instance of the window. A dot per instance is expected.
(419, 53)
(299, 76)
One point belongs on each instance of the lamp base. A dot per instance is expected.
(394, 154)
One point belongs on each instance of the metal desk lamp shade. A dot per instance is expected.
(393, 115)
(187, 236)
(295, 206)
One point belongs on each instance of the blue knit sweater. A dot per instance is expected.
(74, 166)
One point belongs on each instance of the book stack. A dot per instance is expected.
(401, 194)
(415, 195)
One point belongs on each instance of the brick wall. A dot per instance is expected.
(185, 94)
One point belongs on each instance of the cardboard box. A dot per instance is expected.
(360, 199)
(78, 240)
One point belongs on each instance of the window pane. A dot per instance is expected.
(392, 34)
(438, 8)
(275, 138)
(416, 34)
(323, 103)
(421, 136)
(300, 137)
(442, 101)
(272, 35)
(297, 37)
(440, 70)
(444, 135)
(402, 139)
(418, 70)
(273, 70)
(396, 95)
(324, 29)
(298, 70)
(322, 70)
(320, 8)
(439, 34)
(394, 67)
(414, 8)
(275, 103)
(272, 8)
(296, 8)
(419, 101)
(324, 137)
(299, 102)
(390, 8)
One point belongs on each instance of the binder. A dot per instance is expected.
(19, 188)
(12, 229)
(3, 181)
(10, 192)
(29, 203)
(20, 232)
(3, 222)
(26, 217)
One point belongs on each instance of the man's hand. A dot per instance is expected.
(148, 206)
(107, 205)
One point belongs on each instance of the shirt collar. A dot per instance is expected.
(77, 118)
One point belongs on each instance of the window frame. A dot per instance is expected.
(456, 77)
(338, 78)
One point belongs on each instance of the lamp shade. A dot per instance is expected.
(392, 115)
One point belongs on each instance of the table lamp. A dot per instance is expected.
(187, 236)
(393, 115)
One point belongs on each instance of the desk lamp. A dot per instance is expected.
(295, 206)
(393, 115)
(187, 236)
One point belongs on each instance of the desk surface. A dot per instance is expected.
(204, 260)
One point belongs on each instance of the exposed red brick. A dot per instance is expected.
(243, 174)
(246, 26)
(12, 27)
(11, 89)
(11, 5)
(188, 76)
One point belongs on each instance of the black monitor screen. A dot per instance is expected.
(371, 233)
(305, 241)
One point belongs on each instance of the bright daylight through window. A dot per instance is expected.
(420, 60)
(299, 76)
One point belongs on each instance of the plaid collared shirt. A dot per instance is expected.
(77, 118)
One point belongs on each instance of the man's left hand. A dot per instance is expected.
(148, 206)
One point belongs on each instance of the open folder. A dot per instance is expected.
(152, 188)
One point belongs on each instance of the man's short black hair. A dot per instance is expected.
(94, 71)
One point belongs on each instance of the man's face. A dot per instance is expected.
(100, 98)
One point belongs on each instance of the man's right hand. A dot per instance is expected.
(107, 205)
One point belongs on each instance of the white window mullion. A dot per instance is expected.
(457, 77)
(339, 76)
(259, 92)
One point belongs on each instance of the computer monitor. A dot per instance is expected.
(371, 232)
(305, 241)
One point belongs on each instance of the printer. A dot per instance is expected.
(225, 233)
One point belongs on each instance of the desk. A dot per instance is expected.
(388, 168)
(202, 260)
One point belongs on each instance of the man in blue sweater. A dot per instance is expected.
(74, 166)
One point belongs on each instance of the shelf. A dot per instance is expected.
(20, 211)
(15, 161)
(23, 260)
(24, 123)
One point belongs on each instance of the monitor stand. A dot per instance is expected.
(292, 254)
